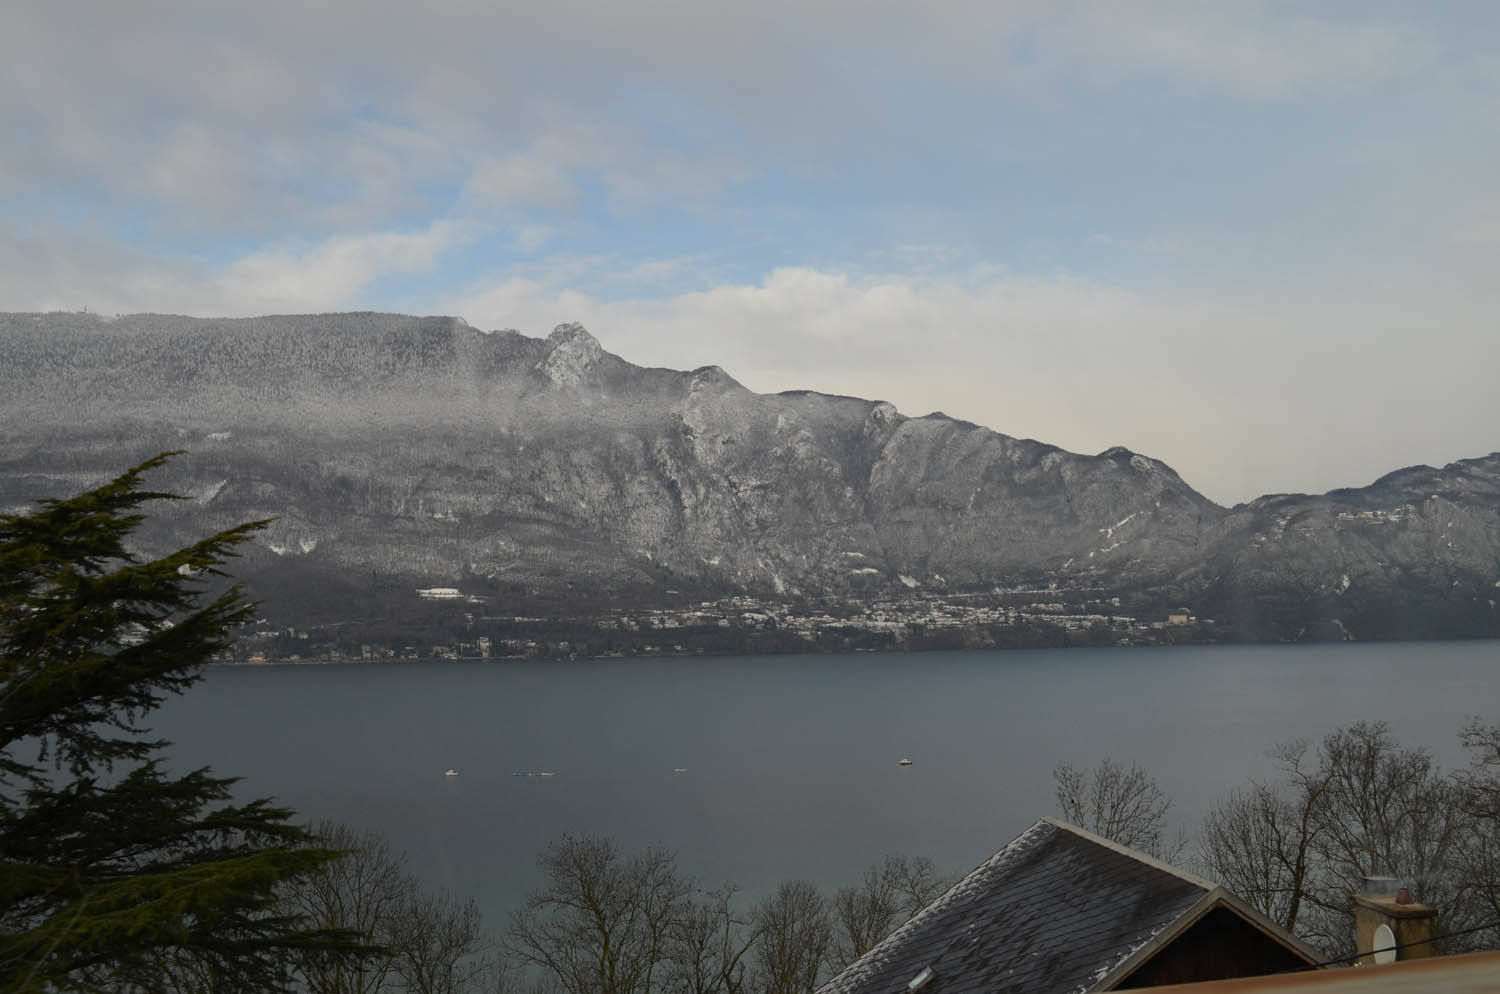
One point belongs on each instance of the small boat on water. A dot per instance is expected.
(450, 773)
(679, 769)
(904, 762)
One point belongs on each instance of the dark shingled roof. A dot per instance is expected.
(1057, 910)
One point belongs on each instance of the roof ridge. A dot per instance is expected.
(1214, 893)
(870, 960)
(1134, 854)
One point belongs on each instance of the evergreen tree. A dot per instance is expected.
(115, 874)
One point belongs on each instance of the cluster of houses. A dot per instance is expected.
(1001, 618)
(897, 618)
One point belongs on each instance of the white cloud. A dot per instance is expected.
(335, 270)
(53, 269)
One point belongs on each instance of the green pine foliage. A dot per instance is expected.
(115, 874)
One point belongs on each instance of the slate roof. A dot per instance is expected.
(1058, 910)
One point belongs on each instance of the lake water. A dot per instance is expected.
(790, 761)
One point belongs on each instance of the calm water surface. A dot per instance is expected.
(791, 761)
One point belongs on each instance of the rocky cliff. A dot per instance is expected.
(397, 452)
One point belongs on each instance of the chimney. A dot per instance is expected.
(1385, 915)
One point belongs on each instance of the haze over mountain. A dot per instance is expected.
(400, 452)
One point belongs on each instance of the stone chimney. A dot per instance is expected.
(1385, 915)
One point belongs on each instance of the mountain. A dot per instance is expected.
(550, 478)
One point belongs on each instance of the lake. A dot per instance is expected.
(790, 763)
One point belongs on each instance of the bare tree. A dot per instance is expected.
(365, 890)
(887, 896)
(429, 944)
(1480, 786)
(1124, 805)
(711, 947)
(1481, 781)
(1259, 842)
(863, 914)
(505, 975)
(1390, 811)
(604, 924)
(1298, 847)
(796, 932)
(438, 944)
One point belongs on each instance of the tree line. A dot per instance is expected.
(118, 874)
(605, 922)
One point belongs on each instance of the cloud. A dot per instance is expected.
(51, 268)
(308, 121)
(1242, 47)
(634, 173)
(521, 181)
(640, 182)
(336, 270)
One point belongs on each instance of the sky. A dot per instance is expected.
(1257, 241)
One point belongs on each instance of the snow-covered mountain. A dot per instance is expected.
(398, 451)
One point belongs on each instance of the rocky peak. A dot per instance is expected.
(883, 418)
(571, 353)
(570, 331)
(711, 378)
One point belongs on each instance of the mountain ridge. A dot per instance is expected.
(407, 450)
